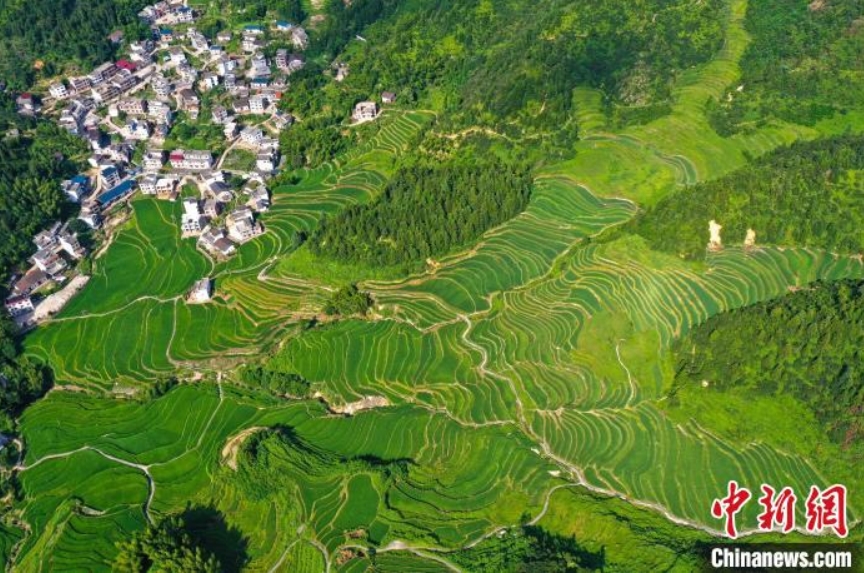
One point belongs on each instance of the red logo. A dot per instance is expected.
(779, 509)
(827, 509)
(730, 505)
(824, 509)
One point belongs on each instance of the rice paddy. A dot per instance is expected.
(537, 358)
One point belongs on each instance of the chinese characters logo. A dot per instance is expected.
(824, 509)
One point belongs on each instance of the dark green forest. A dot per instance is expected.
(807, 194)
(425, 211)
(33, 163)
(164, 547)
(804, 64)
(31, 167)
(529, 548)
(807, 344)
(511, 65)
(60, 33)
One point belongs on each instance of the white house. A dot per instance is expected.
(365, 111)
(252, 135)
(58, 90)
(18, 305)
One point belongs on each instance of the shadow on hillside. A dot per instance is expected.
(208, 529)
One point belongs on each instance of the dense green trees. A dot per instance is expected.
(807, 344)
(502, 65)
(30, 197)
(314, 141)
(165, 547)
(804, 63)
(61, 32)
(530, 548)
(425, 211)
(279, 383)
(807, 194)
(348, 301)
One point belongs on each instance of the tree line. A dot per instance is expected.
(803, 64)
(39, 38)
(807, 344)
(426, 210)
(806, 194)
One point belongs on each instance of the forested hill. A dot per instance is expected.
(514, 64)
(50, 34)
(806, 346)
(425, 211)
(804, 63)
(807, 194)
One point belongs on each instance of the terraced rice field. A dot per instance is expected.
(535, 359)
(131, 321)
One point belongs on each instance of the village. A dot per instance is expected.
(129, 110)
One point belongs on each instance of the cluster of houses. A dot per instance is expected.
(132, 103)
(217, 234)
(56, 249)
(167, 12)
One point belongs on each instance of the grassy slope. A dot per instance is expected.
(522, 336)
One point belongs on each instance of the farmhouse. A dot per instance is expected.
(365, 111)
(137, 130)
(32, 280)
(213, 240)
(18, 305)
(116, 193)
(388, 97)
(58, 90)
(266, 161)
(242, 226)
(252, 135)
(259, 198)
(132, 106)
(153, 160)
(258, 104)
(49, 262)
(193, 220)
(147, 184)
(76, 188)
(219, 114)
(80, 84)
(109, 176)
(191, 160)
(299, 38)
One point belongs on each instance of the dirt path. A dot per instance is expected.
(232, 446)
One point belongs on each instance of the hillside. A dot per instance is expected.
(480, 331)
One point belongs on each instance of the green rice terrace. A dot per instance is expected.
(522, 381)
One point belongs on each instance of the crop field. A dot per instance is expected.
(131, 321)
(536, 360)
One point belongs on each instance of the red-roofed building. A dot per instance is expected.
(126, 65)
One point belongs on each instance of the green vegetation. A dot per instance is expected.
(803, 65)
(520, 395)
(807, 194)
(425, 211)
(163, 547)
(312, 142)
(530, 549)
(801, 351)
(348, 301)
(59, 34)
(497, 65)
(30, 197)
(279, 383)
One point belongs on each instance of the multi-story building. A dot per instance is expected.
(191, 160)
(58, 90)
